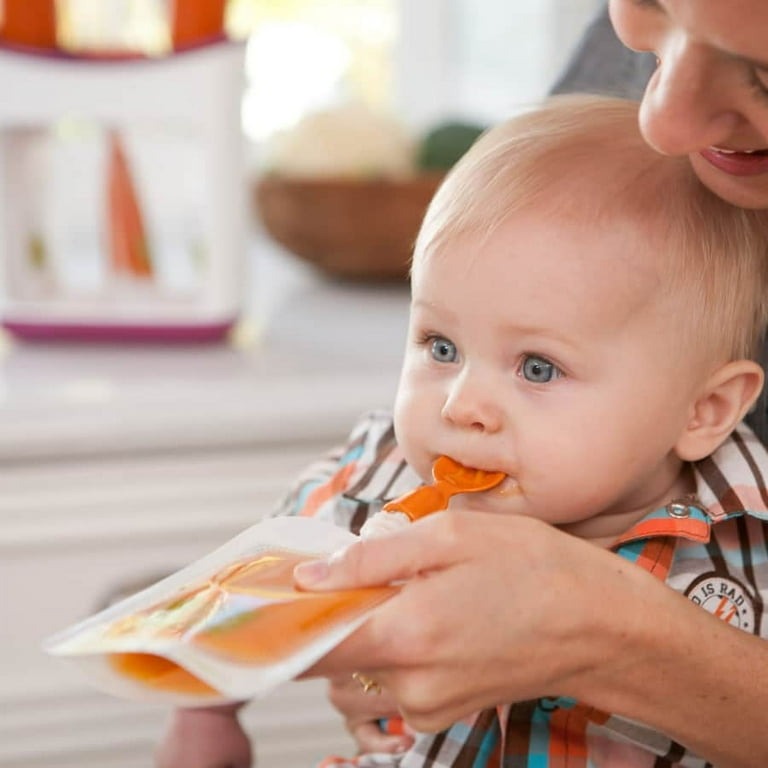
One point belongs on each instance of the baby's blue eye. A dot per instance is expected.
(443, 350)
(538, 370)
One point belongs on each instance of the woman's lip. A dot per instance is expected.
(736, 163)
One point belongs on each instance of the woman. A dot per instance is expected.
(538, 625)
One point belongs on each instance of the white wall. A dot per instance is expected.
(482, 59)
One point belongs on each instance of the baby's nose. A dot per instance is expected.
(471, 404)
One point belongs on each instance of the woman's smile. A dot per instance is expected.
(750, 162)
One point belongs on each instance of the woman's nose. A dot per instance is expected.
(691, 101)
(471, 404)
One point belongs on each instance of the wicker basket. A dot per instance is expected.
(352, 229)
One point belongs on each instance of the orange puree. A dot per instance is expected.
(248, 613)
(159, 673)
(277, 630)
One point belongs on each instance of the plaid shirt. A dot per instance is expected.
(713, 548)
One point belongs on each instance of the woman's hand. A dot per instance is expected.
(494, 609)
(208, 737)
(501, 609)
(362, 712)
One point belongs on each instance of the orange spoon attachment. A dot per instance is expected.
(450, 478)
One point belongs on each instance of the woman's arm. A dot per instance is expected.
(500, 609)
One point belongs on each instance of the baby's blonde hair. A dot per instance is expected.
(583, 158)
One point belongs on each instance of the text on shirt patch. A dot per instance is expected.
(726, 598)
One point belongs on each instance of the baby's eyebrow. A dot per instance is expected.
(542, 331)
(431, 306)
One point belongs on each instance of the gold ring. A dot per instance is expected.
(369, 685)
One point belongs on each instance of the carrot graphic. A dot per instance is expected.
(196, 21)
(128, 247)
(30, 22)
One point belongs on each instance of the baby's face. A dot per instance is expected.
(547, 353)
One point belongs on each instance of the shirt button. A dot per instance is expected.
(678, 510)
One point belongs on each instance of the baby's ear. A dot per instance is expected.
(730, 392)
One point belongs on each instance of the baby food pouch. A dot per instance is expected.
(229, 626)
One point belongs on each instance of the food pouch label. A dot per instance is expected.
(229, 626)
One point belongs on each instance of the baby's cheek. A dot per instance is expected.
(412, 434)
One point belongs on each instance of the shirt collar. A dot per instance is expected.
(383, 480)
(729, 483)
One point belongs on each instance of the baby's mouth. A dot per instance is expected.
(509, 487)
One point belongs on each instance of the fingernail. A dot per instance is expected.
(311, 572)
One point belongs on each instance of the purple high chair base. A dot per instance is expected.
(107, 333)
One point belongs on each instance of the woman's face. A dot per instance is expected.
(708, 98)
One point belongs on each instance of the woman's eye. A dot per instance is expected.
(760, 79)
(443, 350)
(538, 370)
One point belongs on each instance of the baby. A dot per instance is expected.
(585, 319)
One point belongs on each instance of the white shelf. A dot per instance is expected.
(312, 355)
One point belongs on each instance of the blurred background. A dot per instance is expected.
(204, 235)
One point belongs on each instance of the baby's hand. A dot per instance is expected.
(208, 737)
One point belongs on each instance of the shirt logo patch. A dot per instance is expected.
(724, 597)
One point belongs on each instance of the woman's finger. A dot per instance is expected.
(370, 738)
(363, 714)
(381, 560)
(350, 700)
